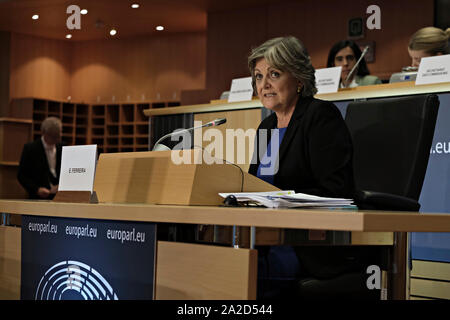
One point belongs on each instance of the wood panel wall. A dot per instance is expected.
(140, 68)
(133, 69)
(203, 65)
(319, 24)
(5, 50)
(40, 67)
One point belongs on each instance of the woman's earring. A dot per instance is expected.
(299, 89)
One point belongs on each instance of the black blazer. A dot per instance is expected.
(34, 171)
(315, 156)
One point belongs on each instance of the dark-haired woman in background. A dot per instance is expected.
(346, 53)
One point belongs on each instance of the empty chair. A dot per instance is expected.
(391, 140)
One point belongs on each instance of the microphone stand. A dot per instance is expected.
(161, 147)
(355, 66)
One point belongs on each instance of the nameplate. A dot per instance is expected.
(327, 79)
(434, 70)
(78, 168)
(241, 90)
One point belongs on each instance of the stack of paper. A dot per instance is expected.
(290, 199)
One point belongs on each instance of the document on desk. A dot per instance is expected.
(290, 199)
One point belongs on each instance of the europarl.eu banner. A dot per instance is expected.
(82, 259)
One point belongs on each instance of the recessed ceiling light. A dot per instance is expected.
(160, 28)
(68, 36)
(113, 32)
(84, 11)
(35, 17)
(135, 5)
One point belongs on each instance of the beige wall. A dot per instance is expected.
(39, 67)
(123, 68)
(136, 69)
(162, 67)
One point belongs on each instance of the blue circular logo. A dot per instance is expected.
(73, 280)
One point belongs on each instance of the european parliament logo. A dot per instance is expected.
(87, 259)
(74, 280)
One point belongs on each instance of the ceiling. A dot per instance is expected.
(103, 15)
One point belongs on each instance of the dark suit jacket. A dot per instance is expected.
(34, 171)
(316, 153)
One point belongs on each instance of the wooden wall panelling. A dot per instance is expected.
(10, 187)
(319, 27)
(138, 69)
(430, 280)
(14, 133)
(430, 288)
(21, 108)
(40, 67)
(5, 53)
(224, 273)
(241, 120)
(10, 250)
(231, 35)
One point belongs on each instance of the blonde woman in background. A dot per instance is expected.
(428, 42)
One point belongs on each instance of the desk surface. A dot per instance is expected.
(350, 220)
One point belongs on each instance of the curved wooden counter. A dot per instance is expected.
(374, 91)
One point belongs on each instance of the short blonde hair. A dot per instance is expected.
(287, 54)
(431, 40)
(51, 125)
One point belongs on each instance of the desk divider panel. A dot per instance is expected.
(209, 272)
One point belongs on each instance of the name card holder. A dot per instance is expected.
(77, 175)
(76, 196)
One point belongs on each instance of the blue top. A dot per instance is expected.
(269, 163)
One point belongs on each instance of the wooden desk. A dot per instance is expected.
(379, 221)
(260, 217)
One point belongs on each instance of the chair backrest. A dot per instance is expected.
(392, 139)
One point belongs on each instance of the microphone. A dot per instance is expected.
(160, 147)
(356, 64)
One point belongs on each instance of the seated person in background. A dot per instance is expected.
(40, 162)
(314, 151)
(346, 53)
(428, 42)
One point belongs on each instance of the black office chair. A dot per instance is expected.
(392, 139)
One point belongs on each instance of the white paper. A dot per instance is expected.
(327, 79)
(289, 199)
(78, 168)
(241, 90)
(434, 70)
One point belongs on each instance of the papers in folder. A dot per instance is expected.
(290, 199)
